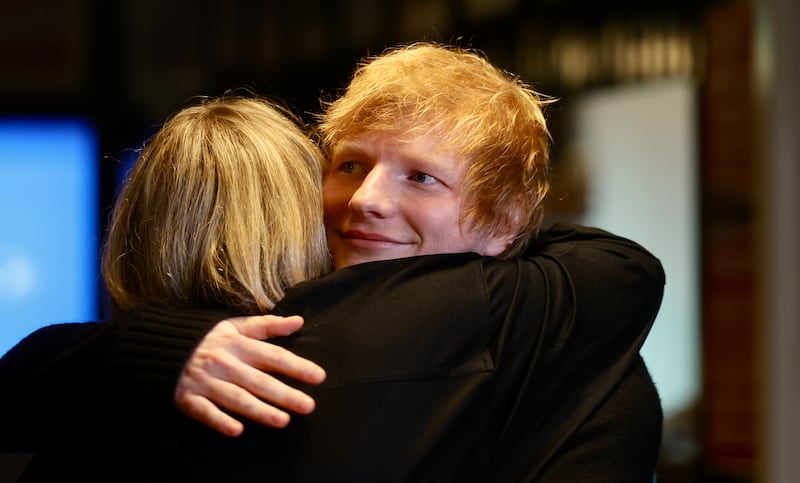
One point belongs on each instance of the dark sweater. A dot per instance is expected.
(440, 368)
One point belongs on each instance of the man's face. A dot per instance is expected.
(389, 199)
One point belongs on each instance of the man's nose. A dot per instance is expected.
(375, 195)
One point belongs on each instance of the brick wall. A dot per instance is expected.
(729, 186)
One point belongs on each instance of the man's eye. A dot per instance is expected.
(352, 167)
(420, 177)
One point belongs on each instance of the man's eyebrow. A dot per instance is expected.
(429, 161)
(348, 147)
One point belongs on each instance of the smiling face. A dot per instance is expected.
(385, 198)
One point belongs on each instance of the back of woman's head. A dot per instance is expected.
(223, 207)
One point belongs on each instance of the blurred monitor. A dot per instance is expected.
(49, 241)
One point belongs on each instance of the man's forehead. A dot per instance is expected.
(425, 147)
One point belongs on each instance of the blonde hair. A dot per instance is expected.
(489, 118)
(222, 207)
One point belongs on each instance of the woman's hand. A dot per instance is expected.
(230, 369)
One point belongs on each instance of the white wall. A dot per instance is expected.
(639, 146)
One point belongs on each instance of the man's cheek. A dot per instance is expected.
(335, 199)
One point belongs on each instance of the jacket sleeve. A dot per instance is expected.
(48, 379)
(602, 293)
(63, 374)
(151, 347)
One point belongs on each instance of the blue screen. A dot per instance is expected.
(48, 225)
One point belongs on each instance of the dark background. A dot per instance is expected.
(128, 64)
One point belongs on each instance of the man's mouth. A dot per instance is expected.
(365, 239)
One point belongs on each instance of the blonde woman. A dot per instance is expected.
(222, 210)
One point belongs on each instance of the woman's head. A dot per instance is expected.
(223, 207)
(488, 118)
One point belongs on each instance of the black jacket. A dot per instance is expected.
(440, 368)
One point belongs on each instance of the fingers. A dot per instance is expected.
(237, 381)
(201, 409)
(272, 358)
(202, 395)
(254, 382)
(266, 326)
(241, 402)
(228, 376)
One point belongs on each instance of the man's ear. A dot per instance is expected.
(497, 245)
(506, 231)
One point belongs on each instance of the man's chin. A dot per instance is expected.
(348, 259)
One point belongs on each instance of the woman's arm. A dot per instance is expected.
(62, 373)
(201, 359)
